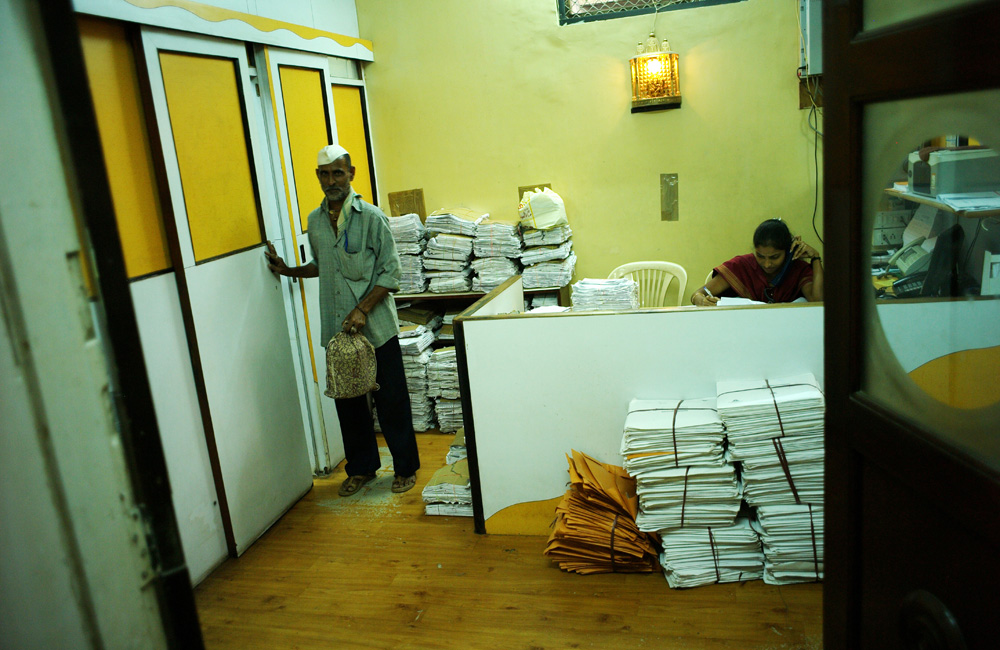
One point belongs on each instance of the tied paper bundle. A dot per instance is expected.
(704, 556)
(449, 491)
(595, 529)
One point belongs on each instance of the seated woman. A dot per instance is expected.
(781, 269)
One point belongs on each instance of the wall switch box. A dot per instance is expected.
(669, 210)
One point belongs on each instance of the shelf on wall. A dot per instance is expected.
(928, 200)
(430, 295)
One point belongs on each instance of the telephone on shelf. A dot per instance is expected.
(911, 258)
(909, 287)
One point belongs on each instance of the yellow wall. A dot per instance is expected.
(471, 100)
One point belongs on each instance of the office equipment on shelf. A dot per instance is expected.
(954, 170)
(911, 258)
(910, 286)
(889, 226)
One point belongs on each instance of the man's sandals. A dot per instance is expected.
(403, 483)
(352, 484)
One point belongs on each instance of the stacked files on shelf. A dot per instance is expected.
(775, 430)
(491, 272)
(414, 339)
(457, 450)
(496, 238)
(792, 536)
(442, 373)
(549, 274)
(449, 414)
(410, 237)
(551, 237)
(538, 254)
(421, 405)
(617, 293)
(541, 300)
(701, 556)
(595, 530)
(446, 259)
(447, 332)
(456, 221)
(449, 491)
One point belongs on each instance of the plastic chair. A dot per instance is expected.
(654, 279)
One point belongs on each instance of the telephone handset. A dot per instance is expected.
(911, 258)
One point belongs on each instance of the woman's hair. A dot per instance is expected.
(773, 233)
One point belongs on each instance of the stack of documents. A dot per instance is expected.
(701, 556)
(792, 536)
(671, 433)
(442, 373)
(619, 293)
(449, 491)
(421, 405)
(414, 339)
(674, 497)
(412, 278)
(549, 274)
(775, 430)
(595, 529)
(449, 414)
(497, 239)
(410, 315)
(407, 228)
(457, 450)
(457, 221)
(450, 281)
(552, 237)
(447, 332)
(410, 237)
(437, 264)
(542, 300)
(536, 254)
(491, 272)
(449, 247)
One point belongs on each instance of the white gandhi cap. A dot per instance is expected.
(329, 153)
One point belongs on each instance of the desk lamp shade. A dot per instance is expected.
(655, 79)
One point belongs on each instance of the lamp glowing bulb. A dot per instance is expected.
(654, 67)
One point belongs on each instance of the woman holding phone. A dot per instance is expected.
(782, 268)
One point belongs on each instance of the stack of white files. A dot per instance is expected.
(536, 254)
(449, 491)
(450, 281)
(412, 278)
(792, 536)
(447, 332)
(491, 272)
(616, 293)
(457, 450)
(460, 221)
(674, 497)
(421, 405)
(543, 300)
(497, 239)
(449, 247)
(549, 274)
(437, 264)
(449, 414)
(442, 374)
(775, 429)
(407, 229)
(414, 339)
(672, 433)
(410, 331)
(552, 237)
(410, 237)
(701, 556)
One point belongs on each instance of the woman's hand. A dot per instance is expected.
(701, 300)
(800, 249)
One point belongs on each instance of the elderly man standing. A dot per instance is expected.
(355, 258)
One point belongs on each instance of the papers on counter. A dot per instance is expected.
(619, 293)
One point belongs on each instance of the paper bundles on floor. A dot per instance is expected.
(449, 492)
(792, 536)
(694, 556)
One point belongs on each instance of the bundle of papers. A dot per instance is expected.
(414, 342)
(442, 374)
(407, 228)
(412, 278)
(435, 264)
(536, 254)
(459, 221)
(543, 300)
(688, 496)
(449, 414)
(702, 556)
(663, 434)
(449, 491)
(549, 274)
(449, 247)
(792, 537)
(421, 405)
(618, 293)
(497, 239)
(457, 450)
(491, 272)
(450, 281)
(411, 248)
(447, 331)
(552, 237)
(775, 429)
(595, 529)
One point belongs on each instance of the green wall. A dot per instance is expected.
(470, 100)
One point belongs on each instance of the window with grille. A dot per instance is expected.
(575, 11)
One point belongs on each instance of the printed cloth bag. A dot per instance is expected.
(542, 209)
(350, 366)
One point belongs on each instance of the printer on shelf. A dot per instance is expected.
(954, 170)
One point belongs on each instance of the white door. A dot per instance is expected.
(223, 210)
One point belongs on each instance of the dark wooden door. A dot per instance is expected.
(912, 493)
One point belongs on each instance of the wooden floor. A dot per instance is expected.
(372, 571)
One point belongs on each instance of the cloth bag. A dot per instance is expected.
(542, 209)
(350, 366)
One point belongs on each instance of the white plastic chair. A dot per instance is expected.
(654, 279)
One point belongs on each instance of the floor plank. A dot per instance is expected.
(372, 571)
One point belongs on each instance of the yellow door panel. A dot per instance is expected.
(352, 136)
(121, 121)
(207, 119)
(308, 132)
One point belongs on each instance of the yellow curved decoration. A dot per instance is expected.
(528, 518)
(217, 14)
(963, 380)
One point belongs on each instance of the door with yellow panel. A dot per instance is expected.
(223, 209)
(313, 100)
